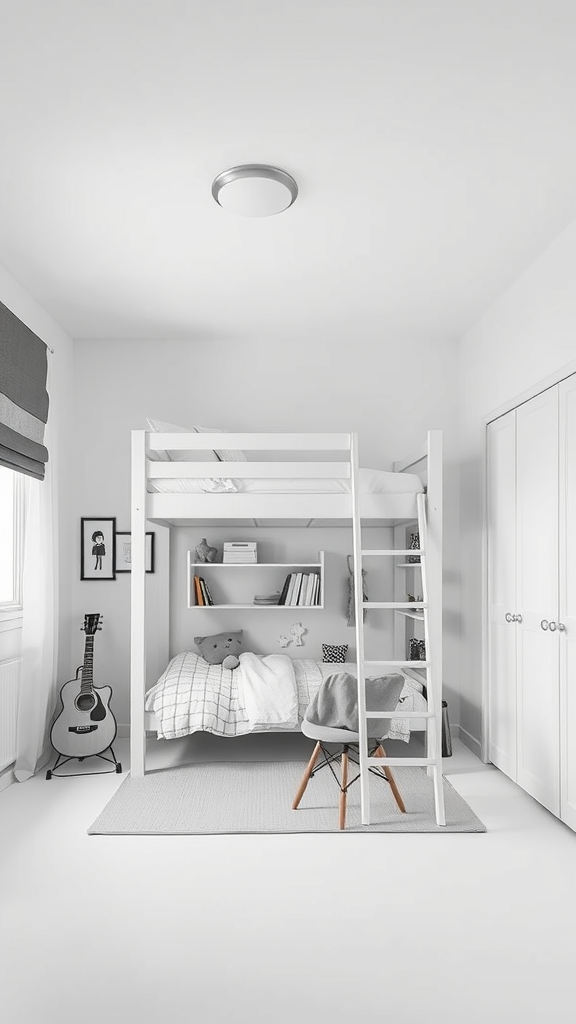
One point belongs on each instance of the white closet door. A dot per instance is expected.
(501, 491)
(567, 609)
(538, 752)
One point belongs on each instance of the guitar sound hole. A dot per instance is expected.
(85, 702)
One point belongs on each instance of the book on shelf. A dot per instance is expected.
(300, 589)
(296, 591)
(303, 587)
(309, 588)
(205, 591)
(291, 588)
(198, 592)
(266, 599)
(285, 588)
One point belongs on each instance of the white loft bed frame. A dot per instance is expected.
(300, 509)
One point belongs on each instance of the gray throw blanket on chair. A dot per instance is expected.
(335, 705)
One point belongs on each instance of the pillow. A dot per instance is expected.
(214, 649)
(334, 652)
(224, 454)
(220, 455)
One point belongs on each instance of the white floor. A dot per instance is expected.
(285, 928)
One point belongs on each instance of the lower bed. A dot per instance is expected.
(193, 696)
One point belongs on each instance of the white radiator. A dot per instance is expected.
(9, 690)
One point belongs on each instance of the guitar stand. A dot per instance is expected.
(68, 775)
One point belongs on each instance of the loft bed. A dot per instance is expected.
(258, 482)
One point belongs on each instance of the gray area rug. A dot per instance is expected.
(256, 797)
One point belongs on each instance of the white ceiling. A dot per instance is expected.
(433, 141)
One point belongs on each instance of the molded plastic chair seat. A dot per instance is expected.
(328, 735)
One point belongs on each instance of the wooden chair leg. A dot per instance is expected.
(306, 776)
(380, 752)
(344, 783)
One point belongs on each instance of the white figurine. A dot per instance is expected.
(284, 641)
(298, 631)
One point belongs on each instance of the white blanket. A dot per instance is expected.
(267, 690)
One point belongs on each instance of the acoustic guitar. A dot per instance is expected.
(85, 725)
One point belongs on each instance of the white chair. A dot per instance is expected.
(346, 740)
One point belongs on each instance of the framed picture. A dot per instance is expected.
(98, 548)
(124, 551)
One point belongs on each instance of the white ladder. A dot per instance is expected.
(432, 639)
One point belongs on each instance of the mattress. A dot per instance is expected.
(371, 481)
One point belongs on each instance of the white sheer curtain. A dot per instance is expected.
(40, 622)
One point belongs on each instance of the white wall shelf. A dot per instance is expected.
(240, 582)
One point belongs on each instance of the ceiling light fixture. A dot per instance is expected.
(254, 190)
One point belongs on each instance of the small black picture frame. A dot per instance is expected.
(123, 551)
(98, 548)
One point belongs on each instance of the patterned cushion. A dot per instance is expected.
(334, 652)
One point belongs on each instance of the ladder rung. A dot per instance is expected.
(396, 551)
(400, 762)
(399, 714)
(414, 663)
(395, 604)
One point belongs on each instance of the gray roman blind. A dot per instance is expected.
(23, 396)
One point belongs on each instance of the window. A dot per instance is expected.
(11, 542)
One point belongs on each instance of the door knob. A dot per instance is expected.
(509, 617)
(517, 618)
(552, 627)
(544, 624)
(561, 626)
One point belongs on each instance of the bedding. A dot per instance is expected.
(371, 481)
(267, 691)
(193, 696)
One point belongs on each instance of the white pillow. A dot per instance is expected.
(174, 455)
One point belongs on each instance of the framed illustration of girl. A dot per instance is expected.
(98, 548)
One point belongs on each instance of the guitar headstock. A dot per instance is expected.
(92, 623)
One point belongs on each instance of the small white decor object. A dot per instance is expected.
(240, 551)
(298, 631)
(284, 640)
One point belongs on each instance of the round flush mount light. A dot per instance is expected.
(254, 190)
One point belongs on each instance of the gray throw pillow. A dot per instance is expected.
(219, 646)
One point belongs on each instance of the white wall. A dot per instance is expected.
(60, 420)
(390, 392)
(527, 335)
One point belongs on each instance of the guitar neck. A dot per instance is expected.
(88, 666)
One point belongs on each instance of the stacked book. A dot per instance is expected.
(240, 551)
(301, 589)
(203, 595)
(266, 599)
